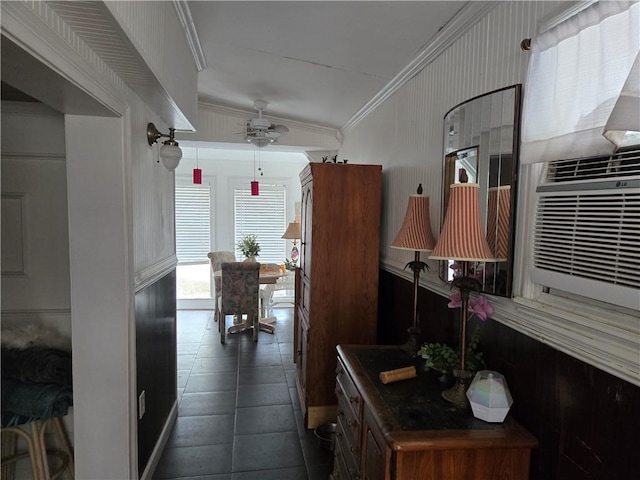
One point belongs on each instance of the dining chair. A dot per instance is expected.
(240, 284)
(282, 292)
(267, 289)
(216, 259)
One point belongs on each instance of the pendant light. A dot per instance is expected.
(197, 172)
(255, 186)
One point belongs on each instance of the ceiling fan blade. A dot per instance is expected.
(279, 128)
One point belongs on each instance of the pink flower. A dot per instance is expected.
(481, 307)
(455, 300)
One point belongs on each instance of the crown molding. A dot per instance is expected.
(558, 17)
(466, 17)
(190, 32)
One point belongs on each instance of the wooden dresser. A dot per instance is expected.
(406, 431)
(337, 285)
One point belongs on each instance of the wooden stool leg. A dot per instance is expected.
(8, 469)
(65, 445)
(39, 450)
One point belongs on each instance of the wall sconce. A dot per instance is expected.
(170, 152)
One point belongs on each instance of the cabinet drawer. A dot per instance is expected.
(348, 395)
(349, 452)
(347, 416)
(350, 449)
(340, 471)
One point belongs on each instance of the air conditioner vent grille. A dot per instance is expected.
(590, 234)
(622, 164)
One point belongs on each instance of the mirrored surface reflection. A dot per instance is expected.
(481, 138)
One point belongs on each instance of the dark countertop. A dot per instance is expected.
(416, 403)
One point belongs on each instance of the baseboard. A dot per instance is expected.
(162, 441)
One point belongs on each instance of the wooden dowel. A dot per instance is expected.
(398, 374)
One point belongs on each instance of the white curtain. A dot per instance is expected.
(578, 72)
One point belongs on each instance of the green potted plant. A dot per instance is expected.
(444, 359)
(439, 357)
(249, 247)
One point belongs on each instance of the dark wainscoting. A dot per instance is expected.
(586, 420)
(155, 312)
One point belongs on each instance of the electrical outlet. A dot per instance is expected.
(141, 404)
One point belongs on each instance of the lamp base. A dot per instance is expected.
(457, 395)
(412, 345)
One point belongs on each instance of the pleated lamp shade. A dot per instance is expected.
(462, 237)
(415, 233)
(293, 231)
(498, 216)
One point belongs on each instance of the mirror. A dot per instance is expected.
(481, 136)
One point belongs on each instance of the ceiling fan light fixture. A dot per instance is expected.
(260, 141)
(260, 123)
(260, 131)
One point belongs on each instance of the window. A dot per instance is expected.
(264, 216)
(576, 239)
(193, 230)
(579, 107)
(581, 92)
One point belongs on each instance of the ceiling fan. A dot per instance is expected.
(260, 131)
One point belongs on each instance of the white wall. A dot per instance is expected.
(35, 238)
(405, 133)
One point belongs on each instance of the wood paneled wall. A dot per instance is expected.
(155, 312)
(585, 419)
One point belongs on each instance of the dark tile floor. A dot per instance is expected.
(239, 416)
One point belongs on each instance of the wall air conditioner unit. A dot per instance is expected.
(587, 228)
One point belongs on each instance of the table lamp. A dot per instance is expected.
(415, 234)
(293, 232)
(462, 239)
(498, 218)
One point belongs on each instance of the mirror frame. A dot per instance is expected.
(468, 127)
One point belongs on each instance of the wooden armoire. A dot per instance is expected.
(337, 281)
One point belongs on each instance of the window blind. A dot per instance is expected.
(193, 223)
(264, 216)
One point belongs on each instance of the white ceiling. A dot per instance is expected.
(314, 61)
